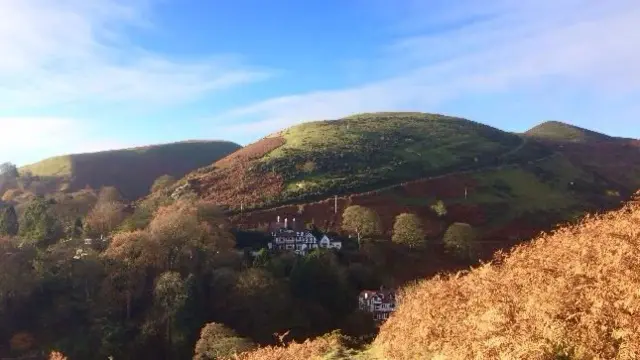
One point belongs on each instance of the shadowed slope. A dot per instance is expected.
(132, 171)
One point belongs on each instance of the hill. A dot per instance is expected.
(508, 186)
(356, 154)
(132, 171)
(571, 294)
(559, 131)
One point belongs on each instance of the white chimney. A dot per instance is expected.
(285, 222)
(278, 219)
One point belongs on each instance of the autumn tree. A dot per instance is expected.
(11, 195)
(362, 221)
(460, 240)
(439, 208)
(110, 194)
(190, 234)
(104, 219)
(132, 255)
(144, 212)
(56, 355)
(169, 296)
(408, 230)
(162, 183)
(8, 221)
(38, 224)
(219, 342)
(258, 305)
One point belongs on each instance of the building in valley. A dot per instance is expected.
(289, 237)
(380, 303)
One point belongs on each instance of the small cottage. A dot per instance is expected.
(380, 303)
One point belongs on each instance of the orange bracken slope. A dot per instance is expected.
(573, 293)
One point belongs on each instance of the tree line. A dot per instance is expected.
(163, 279)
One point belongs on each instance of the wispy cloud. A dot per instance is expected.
(77, 54)
(77, 51)
(25, 139)
(592, 45)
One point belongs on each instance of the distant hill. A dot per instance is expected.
(559, 131)
(507, 185)
(133, 170)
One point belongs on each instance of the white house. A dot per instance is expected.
(299, 241)
(379, 303)
(327, 243)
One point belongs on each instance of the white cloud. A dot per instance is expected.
(25, 139)
(76, 51)
(592, 45)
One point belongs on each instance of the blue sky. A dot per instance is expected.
(80, 76)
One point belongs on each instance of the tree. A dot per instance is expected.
(439, 208)
(408, 230)
(460, 239)
(9, 170)
(218, 342)
(104, 219)
(8, 221)
(109, 194)
(190, 235)
(38, 225)
(361, 220)
(17, 278)
(169, 296)
(132, 256)
(163, 182)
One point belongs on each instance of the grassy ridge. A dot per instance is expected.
(361, 153)
(379, 149)
(132, 171)
(559, 131)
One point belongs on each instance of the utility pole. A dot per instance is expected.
(335, 205)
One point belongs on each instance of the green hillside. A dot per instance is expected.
(359, 153)
(559, 131)
(132, 171)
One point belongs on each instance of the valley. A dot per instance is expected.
(164, 251)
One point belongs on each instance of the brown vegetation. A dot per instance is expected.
(570, 294)
(310, 350)
(233, 180)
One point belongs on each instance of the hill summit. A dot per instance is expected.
(359, 153)
(559, 131)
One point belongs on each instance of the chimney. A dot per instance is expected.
(285, 223)
(294, 224)
(278, 219)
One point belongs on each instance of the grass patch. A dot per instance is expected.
(58, 166)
